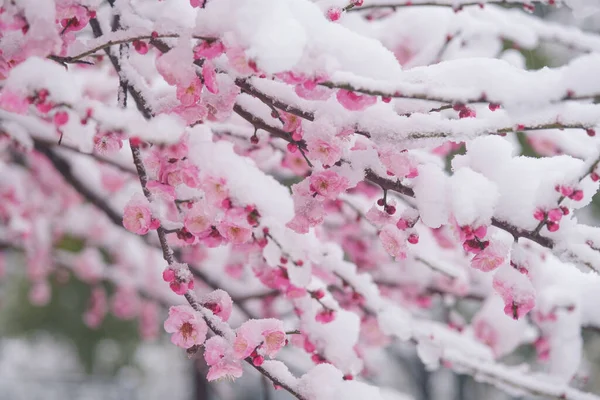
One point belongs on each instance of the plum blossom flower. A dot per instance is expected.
(328, 184)
(199, 220)
(137, 217)
(108, 142)
(266, 333)
(516, 291)
(295, 162)
(189, 94)
(219, 302)
(326, 150)
(234, 227)
(73, 17)
(209, 50)
(186, 326)
(490, 258)
(220, 358)
(353, 101)
(179, 277)
(210, 77)
(393, 241)
(400, 164)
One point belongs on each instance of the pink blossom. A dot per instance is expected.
(312, 92)
(234, 227)
(73, 17)
(399, 163)
(197, 3)
(237, 59)
(198, 220)
(179, 277)
(334, 13)
(515, 290)
(219, 302)
(296, 163)
(220, 357)
(108, 142)
(393, 241)
(325, 316)
(137, 217)
(291, 122)
(209, 50)
(353, 101)
(210, 77)
(189, 94)
(186, 326)
(215, 189)
(489, 259)
(12, 102)
(253, 333)
(191, 114)
(328, 184)
(328, 152)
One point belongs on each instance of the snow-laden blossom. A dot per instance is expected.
(328, 184)
(353, 101)
(108, 142)
(199, 219)
(186, 326)
(266, 333)
(210, 77)
(490, 258)
(137, 217)
(209, 49)
(234, 228)
(220, 357)
(399, 163)
(189, 93)
(179, 277)
(516, 290)
(219, 302)
(325, 149)
(394, 241)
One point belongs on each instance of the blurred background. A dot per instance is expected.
(48, 352)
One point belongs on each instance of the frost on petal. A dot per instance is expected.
(491, 257)
(220, 358)
(516, 290)
(219, 302)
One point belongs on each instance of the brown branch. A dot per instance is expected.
(457, 5)
(516, 232)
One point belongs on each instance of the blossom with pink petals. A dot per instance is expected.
(137, 217)
(326, 150)
(220, 357)
(490, 258)
(219, 302)
(209, 50)
(328, 184)
(199, 220)
(353, 101)
(266, 333)
(189, 94)
(210, 77)
(393, 241)
(186, 326)
(108, 142)
(234, 227)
